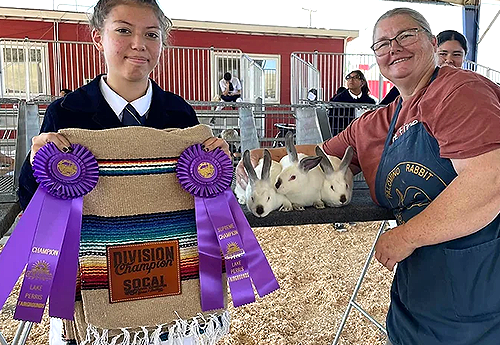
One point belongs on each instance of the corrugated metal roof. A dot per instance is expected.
(455, 2)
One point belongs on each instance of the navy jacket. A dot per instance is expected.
(340, 118)
(346, 97)
(86, 108)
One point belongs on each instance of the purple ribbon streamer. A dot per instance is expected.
(43, 260)
(260, 271)
(210, 263)
(223, 224)
(62, 294)
(16, 251)
(47, 236)
(214, 213)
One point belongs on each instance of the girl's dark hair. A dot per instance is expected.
(364, 89)
(452, 35)
(103, 7)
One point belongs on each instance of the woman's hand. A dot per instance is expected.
(241, 174)
(212, 143)
(58, 139)
(392, 247)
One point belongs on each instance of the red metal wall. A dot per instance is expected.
(260, 44)
(40, 30)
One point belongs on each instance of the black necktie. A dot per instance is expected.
(131, 117)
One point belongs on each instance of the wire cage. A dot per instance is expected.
(9, 111)
(21, 120)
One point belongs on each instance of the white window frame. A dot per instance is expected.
(216, 56)
(26, 46)
(276, 57)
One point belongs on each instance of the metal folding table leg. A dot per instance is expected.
(23, 330)
(22, 333)
(2, 340)
(352, 301)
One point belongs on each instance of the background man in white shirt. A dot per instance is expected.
(231, 88)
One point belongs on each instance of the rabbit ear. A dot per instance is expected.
(266, 165)
(290, 147)
(308, 163)
(346, 160)
(325, 163)
(248, 166)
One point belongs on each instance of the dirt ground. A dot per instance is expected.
(317, 268)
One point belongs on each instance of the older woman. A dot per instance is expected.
(452, 48)
(433, 157)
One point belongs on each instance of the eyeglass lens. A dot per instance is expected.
(404, 38)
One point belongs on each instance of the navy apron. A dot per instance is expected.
(447, 293)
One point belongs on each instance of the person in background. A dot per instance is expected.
(433, 158)
(64, 92)
(357, 92)
(452, 48)
(131, 34)
(231, 88)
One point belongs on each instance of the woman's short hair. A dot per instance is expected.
(364, 89)
(103, 7)
(452, 35)
(404, 11)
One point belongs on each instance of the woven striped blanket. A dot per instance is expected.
(137, 200)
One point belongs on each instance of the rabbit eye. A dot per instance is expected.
(347, 186)
(291, 178)
(332, 188)
(252, 198)
(268, 198)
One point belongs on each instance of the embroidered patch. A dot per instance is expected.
(143, 270)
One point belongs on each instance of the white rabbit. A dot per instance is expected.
(261, 197)
(301, 181)
(274, 172)
(338, 183)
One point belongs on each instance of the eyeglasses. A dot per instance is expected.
(347, 77)
(404, 39)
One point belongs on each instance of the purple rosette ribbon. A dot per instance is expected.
(47, 237)
(222, 226)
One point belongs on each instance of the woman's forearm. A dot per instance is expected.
(468, 204)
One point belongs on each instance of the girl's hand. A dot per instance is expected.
(212, 143)
(58, 139)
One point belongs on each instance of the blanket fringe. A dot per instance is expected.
(202, 330)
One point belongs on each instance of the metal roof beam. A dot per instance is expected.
(444, 2)
(471, 29)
